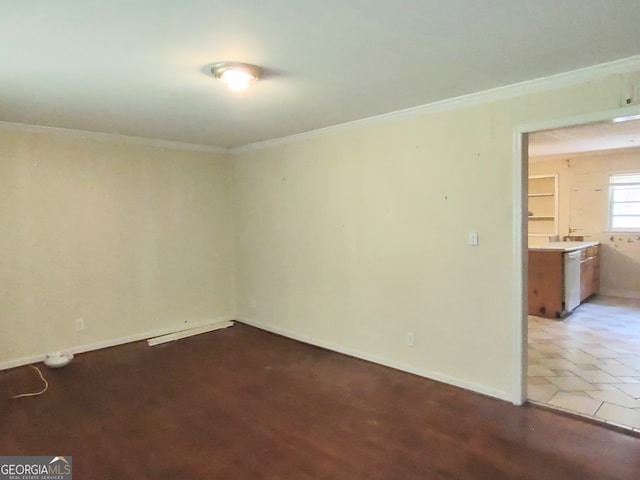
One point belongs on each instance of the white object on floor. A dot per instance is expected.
(58, 360)
(35, 394)
(188, 333)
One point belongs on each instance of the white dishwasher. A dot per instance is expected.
(572, 279)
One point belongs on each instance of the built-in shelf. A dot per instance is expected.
(543, 205)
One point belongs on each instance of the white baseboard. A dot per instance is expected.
(620, 293)
(190, 332)
(440, 377)
(18, 362)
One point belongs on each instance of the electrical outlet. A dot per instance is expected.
(410, 339)
(79, 324)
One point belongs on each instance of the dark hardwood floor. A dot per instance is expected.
(244, 404)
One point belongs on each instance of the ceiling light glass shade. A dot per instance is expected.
(237, 76)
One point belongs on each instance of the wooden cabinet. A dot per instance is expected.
(596, 269)
(589, 272)
(546, 280)
(586, 278)
(546, 283)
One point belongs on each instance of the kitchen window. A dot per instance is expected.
(624, 202)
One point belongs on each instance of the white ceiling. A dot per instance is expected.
(590, 137)
(140, 67)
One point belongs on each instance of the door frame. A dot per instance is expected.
(519, 239)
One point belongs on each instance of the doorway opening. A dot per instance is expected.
(581, 257)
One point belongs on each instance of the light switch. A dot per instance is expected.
(473, 238)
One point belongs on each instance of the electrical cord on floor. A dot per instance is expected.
(35, 394)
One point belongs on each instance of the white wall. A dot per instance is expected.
(348, 239)
(131, 238)
(353, 238)
(583, 184)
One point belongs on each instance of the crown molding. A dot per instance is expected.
(589, 153)
(573, 77)
(565, 79)
(113, 137)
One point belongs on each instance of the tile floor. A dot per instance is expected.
(589, 363)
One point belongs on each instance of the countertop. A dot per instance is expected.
(562, 246)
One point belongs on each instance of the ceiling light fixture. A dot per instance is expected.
(237, 76)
